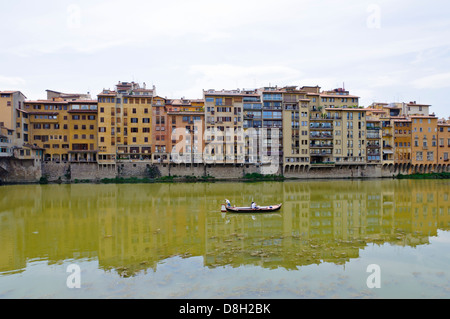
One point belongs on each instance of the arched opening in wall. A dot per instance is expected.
(396, 167)
(391, 168)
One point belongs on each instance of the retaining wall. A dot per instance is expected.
(13, 170)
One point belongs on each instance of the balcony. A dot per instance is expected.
(321, 145)
(321, 135)
(318, 152)
(323, 164)
(320, 126)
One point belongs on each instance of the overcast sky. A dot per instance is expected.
(384, 51)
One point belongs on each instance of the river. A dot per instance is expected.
(331, 239)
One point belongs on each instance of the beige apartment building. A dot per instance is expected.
(296, 128)
(324, 129)
(224, 134)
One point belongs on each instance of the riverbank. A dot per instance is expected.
(167, 179)
(425, 176)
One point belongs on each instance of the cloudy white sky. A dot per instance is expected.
(384, 51)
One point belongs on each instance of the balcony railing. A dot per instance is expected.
(321, 135)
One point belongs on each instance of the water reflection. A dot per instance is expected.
(132, 228)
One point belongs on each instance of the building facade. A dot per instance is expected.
(125, 120)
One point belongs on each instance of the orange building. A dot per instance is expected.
(167, 116)
(160, 130)
(186, 143)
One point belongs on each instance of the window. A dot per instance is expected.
(419, 156)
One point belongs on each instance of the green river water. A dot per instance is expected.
(172, 240)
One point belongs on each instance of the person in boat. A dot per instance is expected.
(254, 206)
(228, 202)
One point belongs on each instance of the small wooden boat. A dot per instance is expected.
(258, 209)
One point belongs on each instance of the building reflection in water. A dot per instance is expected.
(131, 228)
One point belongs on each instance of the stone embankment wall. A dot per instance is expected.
(343, 171)
(14, 170)
(24, 171)
(71, 172)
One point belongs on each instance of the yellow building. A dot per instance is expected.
(11, 102)
(65, 130)
(124, 123)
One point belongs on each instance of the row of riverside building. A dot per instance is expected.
(296, 127)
